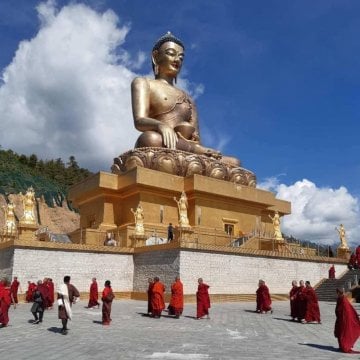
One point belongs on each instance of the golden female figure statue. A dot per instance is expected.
(343, 242)
(28, 201)
(165, 114)
(182, 207)
(139, 220)
(276, 224)
(10, 221)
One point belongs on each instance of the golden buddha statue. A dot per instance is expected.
(139, 220)
(10, 220)
(166, 115)
(28, 201)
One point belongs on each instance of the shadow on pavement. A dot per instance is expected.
(322, 347)
(97, 322)
(288, 320)
(55, 329)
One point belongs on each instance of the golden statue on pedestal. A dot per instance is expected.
(10, 221)
(276, 224)
(139, 220)
(167, 117)
(343, 242)
(28, 201)
(182, 204)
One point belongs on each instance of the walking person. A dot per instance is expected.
(107, 299)
(202, 300)
(38, 307)
(67, 294)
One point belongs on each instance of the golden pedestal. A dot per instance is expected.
(138, 240)
(215, 207)
(27, 231)
(343, 253)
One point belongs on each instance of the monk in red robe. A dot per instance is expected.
(293, 305)
(300, 301)
(94, 294)
(14, 289)
(357, 252)
(30, 291)
(107, 299)
(51, 292)
(352, 262)
(202, 300)
(149, 295)
(312, 306)
(263, 299)
(176, 305)
(332, 272)
(157, 298)
(6, 299)
(347, 325)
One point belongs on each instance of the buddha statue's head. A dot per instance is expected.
(167, 55)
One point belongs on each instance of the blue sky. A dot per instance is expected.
(277, 83)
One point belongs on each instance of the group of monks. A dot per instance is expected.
(354, 261)
(304, 305)
(47, 290)
(156, 299)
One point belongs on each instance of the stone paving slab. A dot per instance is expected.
(233, 332)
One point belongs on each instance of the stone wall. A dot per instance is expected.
(34, 264)
(239, 274)
(164, 264)
(6, 263)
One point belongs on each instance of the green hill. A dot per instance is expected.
(49, 178)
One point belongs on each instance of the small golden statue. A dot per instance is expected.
(276, 224)
(28, 201)
(10, 221)
(139, 220)
(182, 204)
(343, 242)
(166, 115)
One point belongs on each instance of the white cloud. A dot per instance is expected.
(317, 211)
(67, 90)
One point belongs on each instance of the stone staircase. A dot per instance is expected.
(326, 290)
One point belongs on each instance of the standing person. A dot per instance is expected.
(263, 299)
(312, 306)
(202, 300)
(67, 294)
(352, 262)
(30, 291)
(14, 289)
(357, 252)
(176, 305)
(332, 272)
(293, 305)
(38, 305)
(94, 294)
(149, 295)
(347, 325)
(6, 299)
(51, 293)
(301, 301)
(107, 299)
(157, 298)
(170, 231)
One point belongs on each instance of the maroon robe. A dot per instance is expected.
(263, 299)
(202, 301)
(5, 302)
(44, 290)
(149, 294)
(94, 295)
(14, 290)
(157, 298)
(176, 305)
(352, 261)
(107, 299)
(357, 251)
(51, 293)
(300, 302)
(332, 272)
(312, 306)
(347, 325)
(293, 303)
(30, 292)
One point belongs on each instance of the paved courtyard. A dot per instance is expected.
(233, 332)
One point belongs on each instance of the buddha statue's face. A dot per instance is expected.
(169, 59)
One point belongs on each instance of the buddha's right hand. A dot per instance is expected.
(169, 136)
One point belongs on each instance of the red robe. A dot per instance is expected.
(149, 294)
(352, 260)
(30, 292)
(14, 290)
(44, 290)
(107, 299)
(293, 304)
(176, 305)
(263, 299)
(157, 298)
(51, 293)
(202, 301)
(94, 295)
(5, 302)
(312, 306)
(332, 272)
(300, 302)
(357, 251)
(347, 325)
